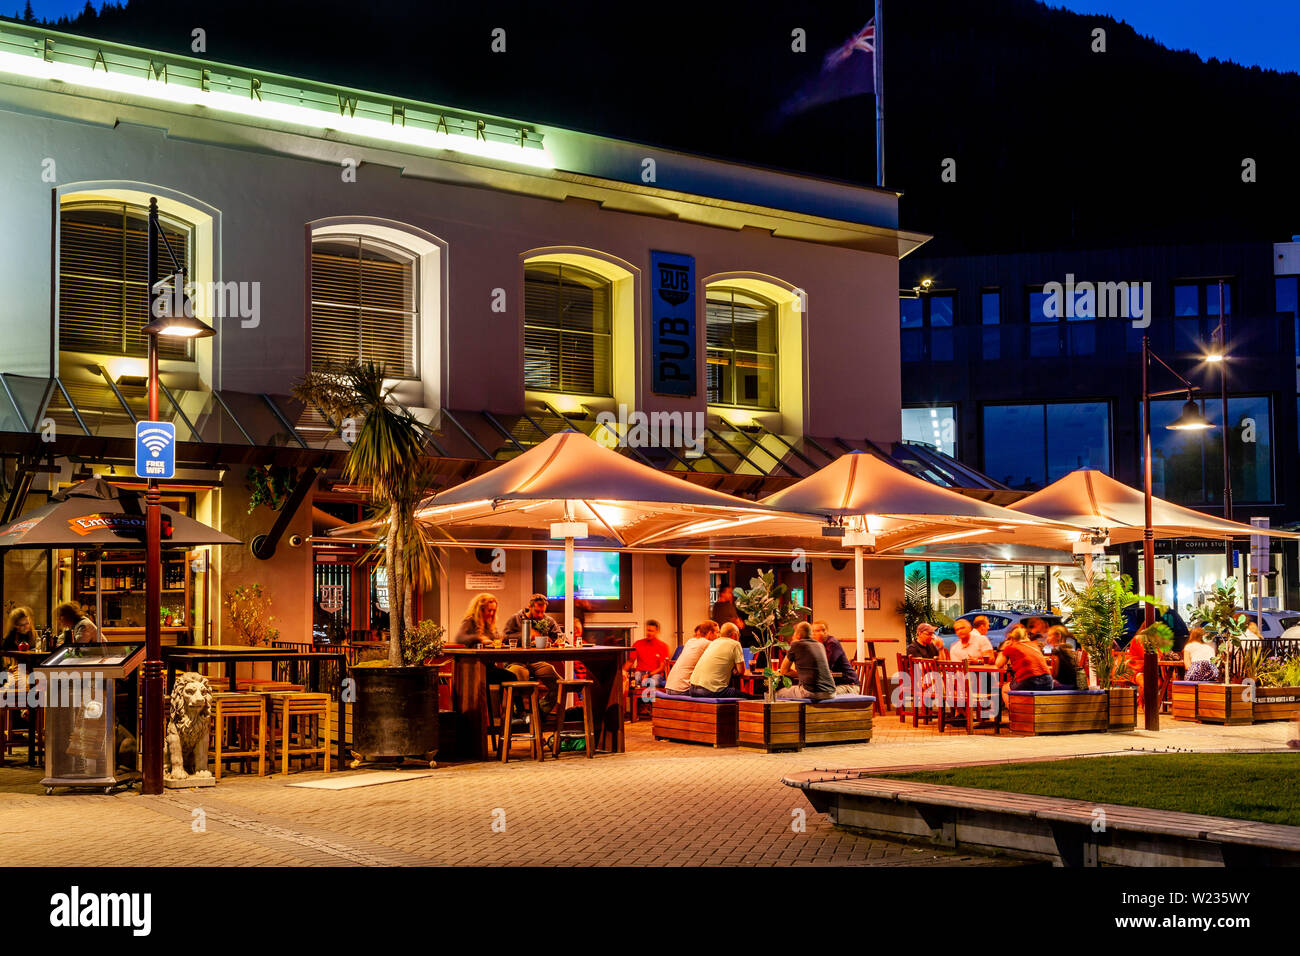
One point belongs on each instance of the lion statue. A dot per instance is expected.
(187, 727)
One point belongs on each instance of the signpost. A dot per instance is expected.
(1259, 563)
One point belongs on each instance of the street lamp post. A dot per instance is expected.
(1219, 356)
(163, 320)
(1190, 419)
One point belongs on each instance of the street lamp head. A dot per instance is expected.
(179, 326)
(1215, 357)
(1191, 418)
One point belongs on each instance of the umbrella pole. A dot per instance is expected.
(858, 622)
(568, 585)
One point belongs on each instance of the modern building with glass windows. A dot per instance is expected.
(501, 272)
(1027, 366)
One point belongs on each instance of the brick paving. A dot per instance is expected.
(657, 804)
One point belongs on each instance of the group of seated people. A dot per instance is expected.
(712, 663)
(1023, 652)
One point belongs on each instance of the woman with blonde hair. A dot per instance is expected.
(478, 627)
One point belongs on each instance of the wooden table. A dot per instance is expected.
(470, 689)
(232, 654)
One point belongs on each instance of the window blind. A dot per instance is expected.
(567, 330)
(103, 292)
(363, 305)
(740, 358)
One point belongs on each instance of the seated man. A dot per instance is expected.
(926, 643)
(846, 678)
(1029, 670)
(533, 620)
(1069, 676)
(648, 662)
(679, 678)
(806, 661)
(1037, 628)
(970, 645)
(721, 661)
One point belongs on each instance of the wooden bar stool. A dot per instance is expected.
(312, 713)
(531, 692)
(248, 711)
(567, 687)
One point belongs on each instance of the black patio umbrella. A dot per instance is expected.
(94, 514)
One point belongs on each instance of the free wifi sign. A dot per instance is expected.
(155, 449)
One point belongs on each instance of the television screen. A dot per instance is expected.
(597, 575)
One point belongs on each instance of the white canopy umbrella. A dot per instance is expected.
(864, 502)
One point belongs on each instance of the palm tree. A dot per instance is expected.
(385, 456)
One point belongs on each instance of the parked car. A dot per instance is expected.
(1273, 623)
(999, 623)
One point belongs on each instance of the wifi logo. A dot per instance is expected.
(155, 449)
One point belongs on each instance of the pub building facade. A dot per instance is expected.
(510, 278)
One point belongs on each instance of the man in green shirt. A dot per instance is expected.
(722, 660)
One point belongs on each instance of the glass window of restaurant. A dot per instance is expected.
(741, 331)
(933, 425)
(1029, 446)
(363, 304)
(103, 252)
(1010, 587)
(1187, 466)
(1185, 578)
(943, 582)
(568, 330)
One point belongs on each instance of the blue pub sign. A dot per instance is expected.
(672, 316)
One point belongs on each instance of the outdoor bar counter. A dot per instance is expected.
(470, 695)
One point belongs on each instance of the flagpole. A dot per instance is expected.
(878, 65)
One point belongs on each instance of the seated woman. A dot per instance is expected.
(1069, 676)
(479, 627)
(22, 630)
(1029, 670)
(1196, 649)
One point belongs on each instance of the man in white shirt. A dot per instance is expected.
(970, 645)
(679, 678)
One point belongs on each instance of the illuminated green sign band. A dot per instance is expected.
(30, 52)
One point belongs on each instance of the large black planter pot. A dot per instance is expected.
(396, 711)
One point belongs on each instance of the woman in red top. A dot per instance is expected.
(1029, 670)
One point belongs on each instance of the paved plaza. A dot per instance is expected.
(657, 804)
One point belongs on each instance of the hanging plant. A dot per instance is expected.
(268, 485)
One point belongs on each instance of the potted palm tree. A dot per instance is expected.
(1097, 622)
(396, 711)
(769, 724)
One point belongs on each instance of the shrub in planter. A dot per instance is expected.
(396, 710)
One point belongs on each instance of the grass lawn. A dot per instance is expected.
(1245, 786)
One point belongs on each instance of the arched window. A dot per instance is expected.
(741, 336)
(364, 304)
(568, 323)
(103, 290)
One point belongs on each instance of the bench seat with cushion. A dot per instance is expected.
(700, 720)
(1058, 711)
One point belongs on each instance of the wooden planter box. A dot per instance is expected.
(841, 720)
(1225, 704)
(699, 720)
(772, 727)
(1122, 708)
(1184, 699)
(1057, 712)
(1276, 703)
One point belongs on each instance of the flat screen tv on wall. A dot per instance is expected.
(601, 579)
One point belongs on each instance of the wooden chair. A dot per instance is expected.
(311, 711)
(872, 681)
(566, 688)
(921, 681)
(531, 692)
(248, 711)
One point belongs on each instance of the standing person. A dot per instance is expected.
(1029, 670)
(925, 644)
(648, 663)
(21, 630)
(722, 662)
(970, 645)
(77, 627)
(724, 608)
(679, 678)
(533, 620)
(1069, 676)
(846, 678)
(806, 661)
